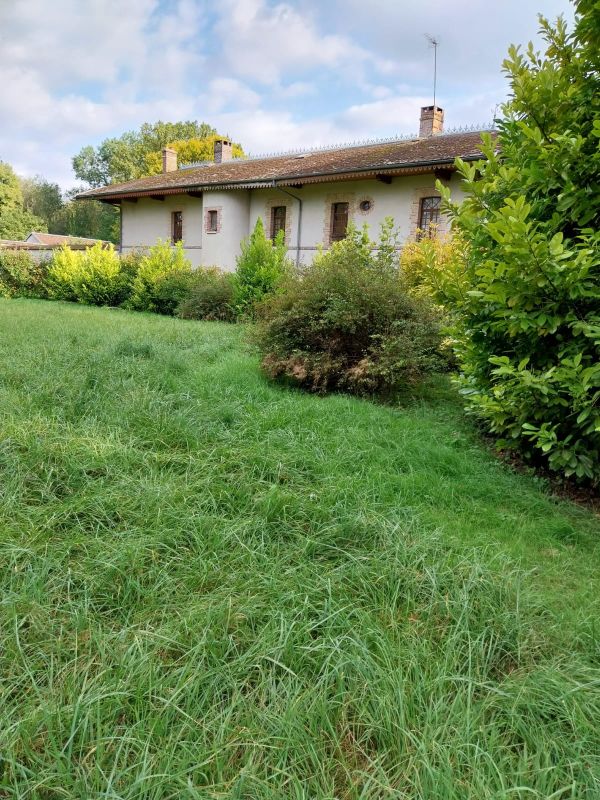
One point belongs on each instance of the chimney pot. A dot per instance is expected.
(432, 121)
(169, 159)
(223, 150)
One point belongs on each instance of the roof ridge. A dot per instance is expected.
(403, 137)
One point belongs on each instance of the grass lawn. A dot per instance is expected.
(213, 587)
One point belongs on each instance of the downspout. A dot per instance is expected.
(299, 233)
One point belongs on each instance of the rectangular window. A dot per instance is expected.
(213, 221)
(339, 221)
(429, 215)
(176, 227)
(277, 220)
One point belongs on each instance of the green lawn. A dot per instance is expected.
(214, 587)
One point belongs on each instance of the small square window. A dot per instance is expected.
(176, 227)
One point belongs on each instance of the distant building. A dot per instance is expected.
(41, 245)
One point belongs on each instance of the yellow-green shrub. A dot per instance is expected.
(162, 280)
(435, 267)
(93, 276)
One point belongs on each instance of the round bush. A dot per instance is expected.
(348, 323)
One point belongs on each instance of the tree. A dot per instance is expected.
(15, 221)
(124, 158)
(529, 322)
(42, 198)
(188, 151)
(88, 218)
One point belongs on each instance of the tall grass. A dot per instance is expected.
(216, 588)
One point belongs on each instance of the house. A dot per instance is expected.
(312, 195)
(58, 239)
(40, 246)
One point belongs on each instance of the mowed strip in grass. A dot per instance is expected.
(214, 587)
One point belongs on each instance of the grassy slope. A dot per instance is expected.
(214, 587)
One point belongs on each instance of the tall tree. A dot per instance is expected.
(530, 318)
(16, 222)
(87, 218)
(42, 198)
(123, 158)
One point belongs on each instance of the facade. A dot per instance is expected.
(311, 196)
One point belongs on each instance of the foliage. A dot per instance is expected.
(87, 218)
(21, 275)
(209, 296)
(162, 280)
(93, 276)
(530, 320)
(42, 198)
(212, 588)
(348, 322)
(261, 266)
(16, 222)
(435, 267)
(189, 151)
(124, 158)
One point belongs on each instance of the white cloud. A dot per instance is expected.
(274, 74)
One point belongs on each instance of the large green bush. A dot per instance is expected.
(261, 266)
(93, 276)
(529, 320)
(162, 280)
(210, 296)
(21, 275)
(347, 322)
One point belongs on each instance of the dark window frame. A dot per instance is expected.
(212, 216)
(339, 211)
(278, 220)
(176, 227)
(429, 215)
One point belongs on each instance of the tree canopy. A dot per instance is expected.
(127, 157)
(16, 222)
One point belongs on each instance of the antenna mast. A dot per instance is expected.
(433, 43)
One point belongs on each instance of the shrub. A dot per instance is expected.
(347, 322)
(162, 281)
(435, 267)
(93, 276)
(529, 322)
(21, 275)
(261, 266)
(210, 296)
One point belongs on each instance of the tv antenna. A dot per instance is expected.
(433, 42)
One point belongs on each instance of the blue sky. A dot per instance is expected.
(273, 75)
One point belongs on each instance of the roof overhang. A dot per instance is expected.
(371, 173)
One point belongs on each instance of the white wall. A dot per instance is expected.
(148, 220)
(399, 199)
(222, 248)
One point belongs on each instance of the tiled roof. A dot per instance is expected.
(359, 161)
(57, 238)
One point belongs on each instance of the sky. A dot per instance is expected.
(272, 75)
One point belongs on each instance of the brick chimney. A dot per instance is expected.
(432, 121)
(223, 150)
(169, 160)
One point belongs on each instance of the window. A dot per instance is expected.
(212, 221)
(339, 221)
(176, 227)
(429, 215)
(277, 220)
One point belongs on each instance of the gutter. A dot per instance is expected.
(299, 231)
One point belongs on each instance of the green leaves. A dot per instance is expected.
(528, 324)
